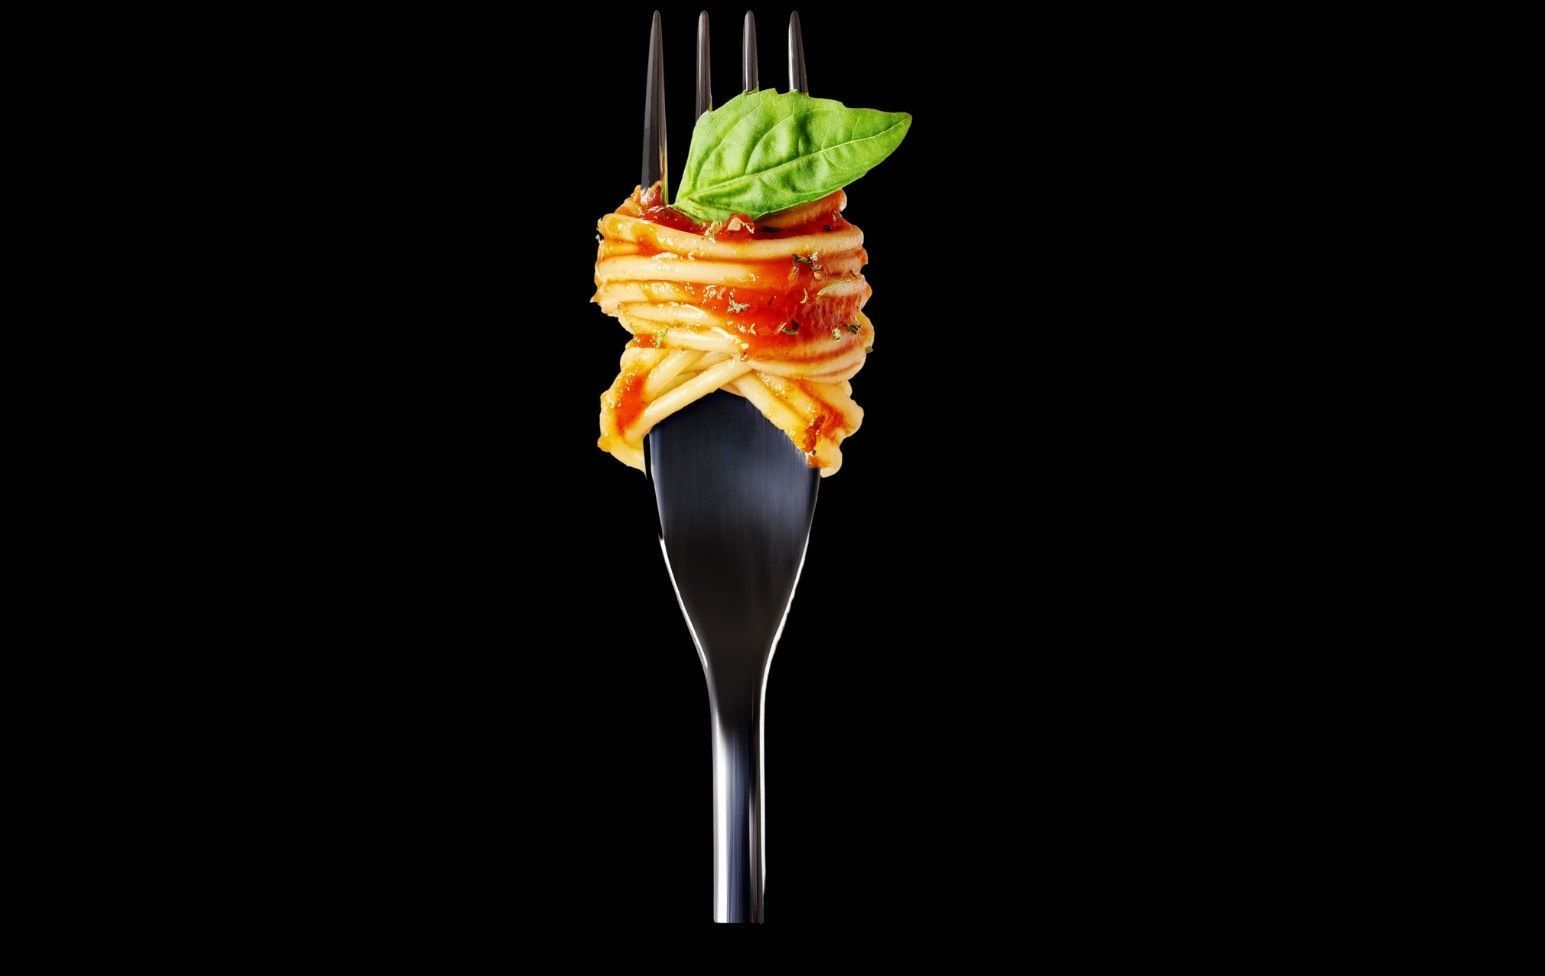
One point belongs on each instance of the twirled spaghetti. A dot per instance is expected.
(770, 310)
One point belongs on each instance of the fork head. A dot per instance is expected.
(736, 497)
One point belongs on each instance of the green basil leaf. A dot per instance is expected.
(765, 151)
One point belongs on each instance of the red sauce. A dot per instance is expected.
(738, 227)
(776, 321)
(825, 421)
(670, 217)
(630, 401)
(782, 309)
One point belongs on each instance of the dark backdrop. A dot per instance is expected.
(875, 711)
(490, 703)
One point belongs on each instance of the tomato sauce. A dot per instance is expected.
(825, 421)
(630, 401)
(783, 308)
(738, 227)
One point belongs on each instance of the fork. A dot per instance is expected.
(736, 499)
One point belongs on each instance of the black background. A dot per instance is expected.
(873, 727)
(984, 707)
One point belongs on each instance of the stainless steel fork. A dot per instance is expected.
(736, 499)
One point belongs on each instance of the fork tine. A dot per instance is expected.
(654, 114)
(748, 74)
(704, 75)
(798, 81)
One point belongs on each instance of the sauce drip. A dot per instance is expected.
(630, 401)
(825, 421)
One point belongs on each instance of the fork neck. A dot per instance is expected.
(738, 788)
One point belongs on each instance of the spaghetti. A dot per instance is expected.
(770, 310)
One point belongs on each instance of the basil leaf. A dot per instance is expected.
(765, 151)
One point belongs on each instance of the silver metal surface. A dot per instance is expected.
(655, 164)
(704, 96)
(748, 72)
(736, 500)
(798, 80)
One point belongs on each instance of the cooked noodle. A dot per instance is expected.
(769, 310)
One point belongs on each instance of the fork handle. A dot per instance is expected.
(738, 853)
